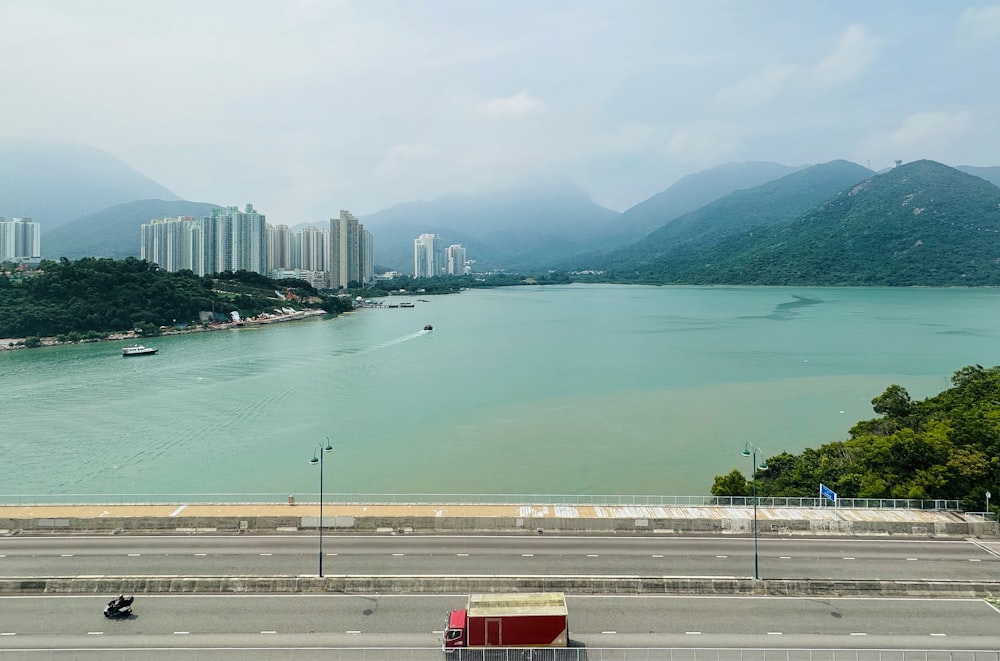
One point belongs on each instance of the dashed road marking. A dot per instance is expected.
(693, 633)
(181, 633)
(398, 554)
(593, 555)
(134, 555)
(774, 633)
(353, 631)
(848, 558)
(462, 555)
(859, 633)
(264, 554)
(66, 555)
(784, 557)
(911, 558)
(269, 631)
(95, 633)
(939, 634)
(657, 555)
(527, 555)
(722, 556)
(609, 632)
(8, 633)
(198, 554)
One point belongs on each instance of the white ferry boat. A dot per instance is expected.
(137, 350)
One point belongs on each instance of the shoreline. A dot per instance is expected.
(17, 343)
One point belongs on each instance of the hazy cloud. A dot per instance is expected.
(519, 104)
(980, 26)
(855, 51)
(307, 107)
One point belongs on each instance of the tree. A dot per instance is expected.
(893, 403)
(731, 484)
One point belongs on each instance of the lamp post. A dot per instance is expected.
(749, 450)
(988, 494)
(317, 458)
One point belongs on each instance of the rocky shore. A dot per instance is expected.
(16, 343)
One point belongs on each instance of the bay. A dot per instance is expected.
(577, 389)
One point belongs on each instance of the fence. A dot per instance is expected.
(478, 499)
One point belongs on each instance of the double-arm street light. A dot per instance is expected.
(318, 459)
(749, 450)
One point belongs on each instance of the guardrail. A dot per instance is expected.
(476, 499)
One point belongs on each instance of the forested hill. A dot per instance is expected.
(670, 252)
(944, 447)
(93, 296)
(921, 224)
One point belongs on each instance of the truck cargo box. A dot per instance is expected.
(537, 619)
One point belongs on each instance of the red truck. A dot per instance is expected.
(526, 620)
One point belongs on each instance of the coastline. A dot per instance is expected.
(16, 343)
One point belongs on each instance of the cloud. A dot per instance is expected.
(855, 51)
(979, 26)
(403, 158)
(520, 104)
(932, 134)
(703, 142)
(759, 87)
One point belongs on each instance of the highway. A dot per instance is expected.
(332, 622)
(297, 554)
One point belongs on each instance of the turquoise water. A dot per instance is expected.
(580, 389)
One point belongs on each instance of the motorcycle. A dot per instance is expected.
(119, 607)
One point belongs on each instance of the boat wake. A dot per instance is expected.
(398, 340)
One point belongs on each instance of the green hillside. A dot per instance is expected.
(670, 250)
(923, 223)
(114, 232)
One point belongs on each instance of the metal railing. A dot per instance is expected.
(567, 654)
(609, 500)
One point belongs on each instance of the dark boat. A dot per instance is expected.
(428, 327)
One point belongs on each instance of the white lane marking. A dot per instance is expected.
(527, 555)
(353, 631)
(610, 633)
(265, 554)
(974, 560)
(462, 555)
(911, 558)
(693, 633)
(178, 510)
(657, 555)
(859, 633)
(593, 555)
(774, 633)
(3, 555)
(95, 633)
(331, 554)
(848, 558)
(181, 633)
(269, 632)
(939, 634)
(66, 555)
(7, 633)
(201, 554)
(134, 555)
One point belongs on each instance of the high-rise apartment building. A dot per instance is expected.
(279, 247)
(172, 243)
(455, 259)
(20, 240)
(428, 256)
(351, 253)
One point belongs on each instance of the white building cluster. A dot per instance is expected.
(231, 240)
(431, 258)
(20, 240)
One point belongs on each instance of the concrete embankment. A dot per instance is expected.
(624, 585)
(473, 519)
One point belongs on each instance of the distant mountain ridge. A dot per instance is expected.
(115, 232)
(53, 183)
(692, 192)
(923, 223)
(520, 228)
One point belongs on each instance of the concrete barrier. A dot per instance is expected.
(637, 585)
(485, 524)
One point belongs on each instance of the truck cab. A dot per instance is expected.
(455, 634)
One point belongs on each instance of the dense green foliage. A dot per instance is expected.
(452, 284)
(88, 297)
(944, 447)
(919, 224)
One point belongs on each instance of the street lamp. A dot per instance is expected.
(749, 450)
(317, 458)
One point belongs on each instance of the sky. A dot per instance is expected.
(307, 107)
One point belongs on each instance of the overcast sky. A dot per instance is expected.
(306, 107)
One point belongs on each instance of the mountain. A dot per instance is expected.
(990, 174)
(775, 202)
(114, 232)
(689, 193)
(520, 228)
(53, 183)
(920, 224)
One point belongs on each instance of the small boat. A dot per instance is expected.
(428, 327)
(137, 350)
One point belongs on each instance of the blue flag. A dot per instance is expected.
(827, 492)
